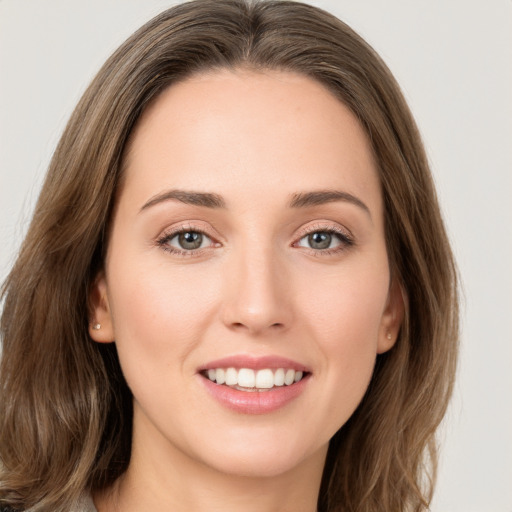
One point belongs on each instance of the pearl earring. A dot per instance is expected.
(388, 335)
(96, 327)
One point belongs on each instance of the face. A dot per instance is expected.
(246, 283)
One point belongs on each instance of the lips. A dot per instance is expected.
(254, 385)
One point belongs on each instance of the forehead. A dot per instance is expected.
(225, 128)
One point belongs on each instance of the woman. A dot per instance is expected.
(236, 290)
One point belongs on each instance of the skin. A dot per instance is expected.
(256, 287)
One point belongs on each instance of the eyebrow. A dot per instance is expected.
(204, 199)
(307, 199)
(298, 200)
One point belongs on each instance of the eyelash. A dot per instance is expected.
(164, 240)
(345, 239)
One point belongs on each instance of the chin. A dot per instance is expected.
(255, 458)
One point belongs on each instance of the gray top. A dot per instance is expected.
(86, 505)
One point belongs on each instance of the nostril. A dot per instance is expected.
(237, 325)
(249, 326)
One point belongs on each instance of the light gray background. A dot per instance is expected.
(453, 59)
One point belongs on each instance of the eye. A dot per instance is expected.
(322, 240)
(187, 240)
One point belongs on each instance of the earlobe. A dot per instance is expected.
(101, 328)
(392, 317)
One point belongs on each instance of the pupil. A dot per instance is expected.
(320, 240)
(190, 240)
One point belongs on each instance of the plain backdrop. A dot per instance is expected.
(453, 59)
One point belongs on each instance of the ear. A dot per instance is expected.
(101, 328)
(392, 317)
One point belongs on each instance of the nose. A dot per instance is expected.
(258, 296)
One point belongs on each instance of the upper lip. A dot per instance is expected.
(255, 363)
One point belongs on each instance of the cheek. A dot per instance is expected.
(345, 320)
(158, 313)
(347, 337)
(347, 307)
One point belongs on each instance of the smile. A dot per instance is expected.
(249, 380)
(255, 385)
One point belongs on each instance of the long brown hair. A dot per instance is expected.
(65, 409)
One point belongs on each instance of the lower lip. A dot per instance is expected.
(255, 402)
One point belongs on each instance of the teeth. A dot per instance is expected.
(289, 377)
(265, 379)
(231, 377)
(220, 376)
(248, 379)
(279, 377)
